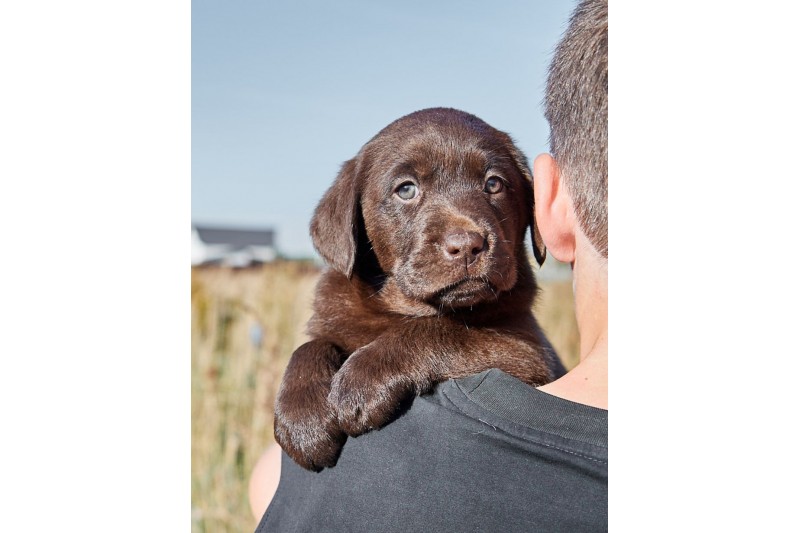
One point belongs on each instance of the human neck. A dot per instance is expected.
(590, 287)
(587, 383)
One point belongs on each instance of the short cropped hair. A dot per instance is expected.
(576, 106)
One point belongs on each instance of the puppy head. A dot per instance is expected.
(442, 200)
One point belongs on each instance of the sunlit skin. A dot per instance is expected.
(587, 383)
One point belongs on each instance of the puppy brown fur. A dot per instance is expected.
(424, 230)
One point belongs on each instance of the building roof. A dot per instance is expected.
(235, 237)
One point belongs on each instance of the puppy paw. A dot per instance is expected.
(367, 394)
(305, 425)
(311, 437)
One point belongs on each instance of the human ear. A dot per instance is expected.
(553, 209)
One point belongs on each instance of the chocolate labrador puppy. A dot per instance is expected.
(424, 232)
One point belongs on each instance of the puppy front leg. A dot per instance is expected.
(305, 425)
(378, 380)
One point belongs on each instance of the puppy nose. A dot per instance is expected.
(464, 244)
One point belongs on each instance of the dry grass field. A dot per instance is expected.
(245, 326)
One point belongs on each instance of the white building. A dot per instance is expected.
(234, 247)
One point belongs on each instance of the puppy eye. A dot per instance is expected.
(493, 185)
(407, 191)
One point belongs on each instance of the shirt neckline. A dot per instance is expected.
(509, 398)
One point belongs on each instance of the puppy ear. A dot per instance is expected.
(334, 228)
(539, 250)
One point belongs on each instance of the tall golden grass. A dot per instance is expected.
(235, 377)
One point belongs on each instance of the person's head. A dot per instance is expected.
(571, 187)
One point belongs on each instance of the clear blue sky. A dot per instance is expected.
(284, 92)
